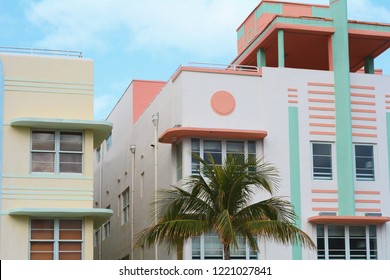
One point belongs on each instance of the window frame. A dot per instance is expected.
(250, 150)
(57, 151)
(218, 247)
(125, 207)
(347, 242)
(374, 163)
(332, 163)
(56, 236)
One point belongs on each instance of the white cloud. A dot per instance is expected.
(197, 26)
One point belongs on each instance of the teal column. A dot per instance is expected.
(261, 58)
(281, 48)
(344, 147)
(369, 67)
(295, 172)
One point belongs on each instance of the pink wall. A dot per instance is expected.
(143, 94)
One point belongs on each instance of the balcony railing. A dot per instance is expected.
(34, 51)
(214, 66)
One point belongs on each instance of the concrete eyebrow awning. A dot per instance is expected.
(366, 220)
(99, 215)
(101, 129)
(173, 135)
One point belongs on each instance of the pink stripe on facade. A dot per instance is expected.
(292, 89)
(363, 111)
(323, 191)
(371, 210)
(368, 192)
(363, 87)
(322, 124)
(321, 92)
(321, 109)
(324, 200)
(333, 209)
(321, 100)
(320, 84)
(367, 95)
(322, 117)
(365, 135)
(363, 103)
(364, 119)
(323, 133)
(364, 126)
(375, 201)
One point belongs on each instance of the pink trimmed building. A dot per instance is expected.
(302, 92)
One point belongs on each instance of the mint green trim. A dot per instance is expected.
(295, 171)
(48, 176)
(101, 129)
(240, 32)
(271, 8)
(369, 27)
(53, 197)
(261, 58)
(281, 48)
(320, 12)
(369, 67)
(99, 215)
(344, 147)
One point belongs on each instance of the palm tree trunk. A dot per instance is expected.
(226, 251)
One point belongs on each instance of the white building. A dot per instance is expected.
(302, 101)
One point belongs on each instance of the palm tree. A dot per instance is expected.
(219, 199)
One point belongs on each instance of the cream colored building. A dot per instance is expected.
(47, 138)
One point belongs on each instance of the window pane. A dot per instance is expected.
(42, 140)
(237, 150)
(42, 162)
(357, 242)
(71, 224)
(364, 162)
(71, 163)
(322, 161)
(70, 256)
(212, 149)
(42, 229)
(196, 248)
(71, 141)
(251, 147)
(212, 247)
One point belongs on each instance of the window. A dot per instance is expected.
(55, 239)
(346, 242)
(125, 206)
(322, 161)
(208, 247)
(219, 149)
(106, 227)
(57, 152)
(179, 161)
(364, 163)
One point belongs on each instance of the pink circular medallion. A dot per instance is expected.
(223, 103)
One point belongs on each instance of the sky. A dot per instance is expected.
(144, 39)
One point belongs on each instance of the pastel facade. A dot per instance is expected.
(307, 99)
(47, 139)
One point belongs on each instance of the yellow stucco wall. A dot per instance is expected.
(49, 88)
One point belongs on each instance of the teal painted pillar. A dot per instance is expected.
(344, 146)
(295, 172)
(369, 67)
(281, 62)
(388, 140)
(261, 58)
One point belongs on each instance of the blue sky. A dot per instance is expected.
(144, 39)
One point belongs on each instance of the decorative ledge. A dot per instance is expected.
(99, 215)
(173, 135)
(348, 220)
(101, 129)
